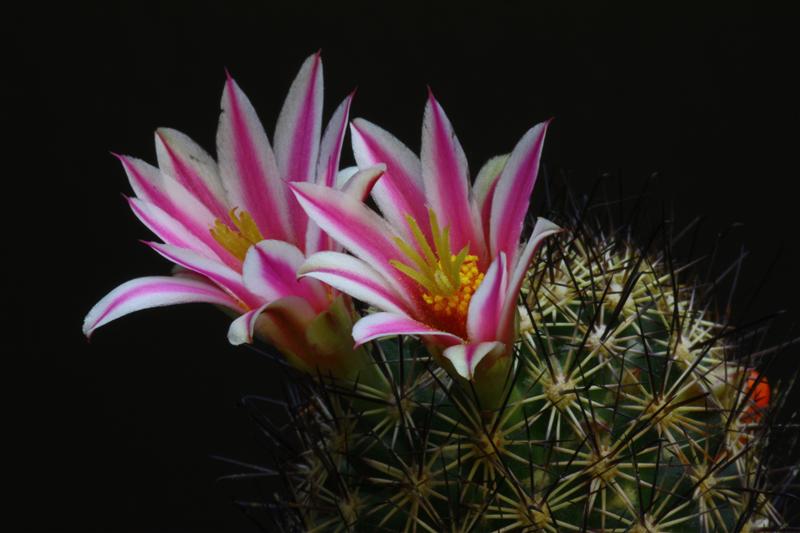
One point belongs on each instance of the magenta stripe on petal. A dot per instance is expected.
(486, 210)
(483, 190)
(513, 192)
(354, 277)
(357, 187)
(270, 271)
(446, 177)
(224, 276)
(327, 169)
(154, 291)
(248, 168)
(167, 228)
(183, 159)
(172, 210)
(483, 317)
(400, 192)
(379, 325)
(297, 135)
(543, 229)
(331, 146)
(356, 227)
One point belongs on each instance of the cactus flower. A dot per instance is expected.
(234, 228)
(444, 261)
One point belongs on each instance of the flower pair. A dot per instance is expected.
(261, 230)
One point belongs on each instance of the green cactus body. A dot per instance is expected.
(624, 412)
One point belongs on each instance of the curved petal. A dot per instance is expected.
(513, 192)
(401, 191)
(446, 178)
(483, 190)
(465, 357)
(297, 132)
(248, 168)
(171, 197)
(355, 226)
(388, 324)
(283, 322)
(241, 329)
(360, 184)
(153, 291)
(543, 229)
(486, 305)
(354, 277)
(168, 229)
(344, 175)
(357, 186)
(330, 150)
(297, 135)
(222, 275)
(270, 272)
(183, 159)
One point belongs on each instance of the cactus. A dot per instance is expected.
(627, 408)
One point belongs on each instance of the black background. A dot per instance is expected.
(116, 435)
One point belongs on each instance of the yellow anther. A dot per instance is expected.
(449, 280)
(237, 241)
(457, 303)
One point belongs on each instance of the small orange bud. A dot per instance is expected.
(759, 396)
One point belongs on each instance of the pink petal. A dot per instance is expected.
(358, 186)
(241, 329)
(400, 192)
(167, 228)
(512, 196)
(222, 275)
(153, 291)
(270, 272)
(356, 227)
(248, 168)
(297, 134)
(173, 199)
(487, 303)
(354, 277)
(184, 160)
(543, 229)
(484, 187)
(446, 177)
(378, 325)
(465, 357)
(330, 150)
(283, 321)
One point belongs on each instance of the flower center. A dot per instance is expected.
(448, 280)
(237, 241)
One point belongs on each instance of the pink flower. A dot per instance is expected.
(444, 261)
(232, 224)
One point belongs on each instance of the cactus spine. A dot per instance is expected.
(625, 410)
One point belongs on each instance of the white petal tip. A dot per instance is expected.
(466, 357)
(544, 225)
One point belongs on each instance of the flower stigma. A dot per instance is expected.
(449, 280)
(237, 241)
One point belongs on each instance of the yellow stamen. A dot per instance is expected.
(237, 241)
(449, 279)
